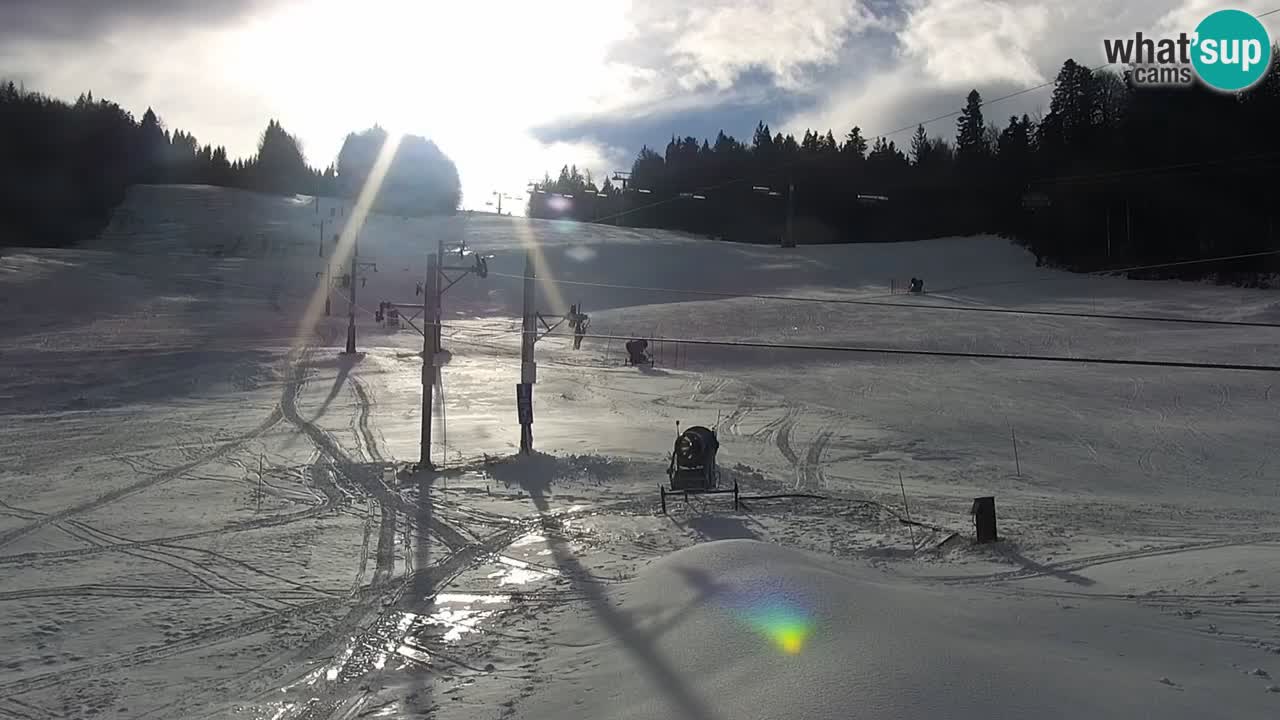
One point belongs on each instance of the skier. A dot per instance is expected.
(580, 323)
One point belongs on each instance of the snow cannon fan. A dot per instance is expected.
(693, 461)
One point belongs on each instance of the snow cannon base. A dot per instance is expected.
(693, 466)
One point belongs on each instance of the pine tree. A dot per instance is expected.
(920, 147)
(1073, 112)
(280, 166)
(762, 141)
(971, 139)
(152, 148)
(855, 144)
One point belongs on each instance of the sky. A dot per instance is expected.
(511, 89)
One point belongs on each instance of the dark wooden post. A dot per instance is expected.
(984, 519)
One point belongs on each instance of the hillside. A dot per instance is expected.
(198, 520)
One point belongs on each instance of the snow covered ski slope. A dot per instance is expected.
(197, 519)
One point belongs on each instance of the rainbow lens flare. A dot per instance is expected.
(783, 622)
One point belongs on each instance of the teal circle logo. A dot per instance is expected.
(1232, 50)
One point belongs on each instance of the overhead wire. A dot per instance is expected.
(950, 353)
(794, 163)
(955, 308)
(1158, 169)
(1117, 271)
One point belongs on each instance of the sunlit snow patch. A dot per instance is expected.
(394, 643)
(467, 598)
(459, 621)
(519, 572)
(331, 673)
(464, 619)
(580, 253)
(528, 540)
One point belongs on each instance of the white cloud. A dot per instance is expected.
(960, 42)
(177, 72)
(947, 47)
(1187, 15)
(713, 45)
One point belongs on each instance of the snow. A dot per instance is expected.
(196, 520)
(742, 628)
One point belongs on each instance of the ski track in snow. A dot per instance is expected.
(1081, 563)
(161, 477)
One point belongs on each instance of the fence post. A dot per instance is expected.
(910, 526)
(1017, 465)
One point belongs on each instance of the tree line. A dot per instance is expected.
(1112, 175)
(65, 166)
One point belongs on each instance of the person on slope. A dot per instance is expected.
(580, 323)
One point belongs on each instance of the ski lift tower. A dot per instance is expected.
(438, 281)
(500, 196)
(788, 239)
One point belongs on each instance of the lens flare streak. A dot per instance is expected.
(784, 625)
(775, 614)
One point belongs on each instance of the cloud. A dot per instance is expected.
(700, 67)
(178, 72)
(676, 55)
(944, 48)
(1188, 14)
(65, 20)
(736, 110)
(975, 41)
(513, 89)
(714, 45)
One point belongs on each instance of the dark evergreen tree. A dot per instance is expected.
(920, 146)
(1150, 169)
(855, 145)
(971, 137)
(420, 179)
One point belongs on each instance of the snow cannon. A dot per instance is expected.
(693, 461)
(693, 466)
(638, 353)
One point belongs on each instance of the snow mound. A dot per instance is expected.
(740, 628)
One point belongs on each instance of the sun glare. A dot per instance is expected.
(350, 232)
(474, 77)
